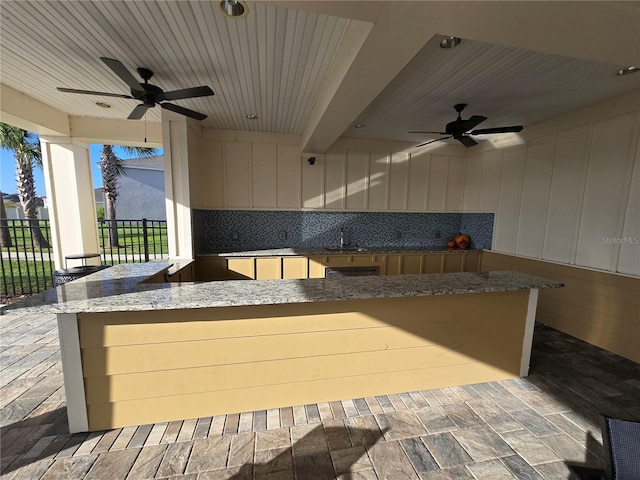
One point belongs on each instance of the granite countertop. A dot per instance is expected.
(305, 251)
(121, 288)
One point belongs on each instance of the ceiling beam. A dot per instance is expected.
(585, 30)
(110, 131)
(22, 111)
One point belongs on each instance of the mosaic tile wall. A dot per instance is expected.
(235, 230)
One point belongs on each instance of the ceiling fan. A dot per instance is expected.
(148, 94)
(461, 129)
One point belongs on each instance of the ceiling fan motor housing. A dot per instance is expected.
(150, 94)
(454, 128)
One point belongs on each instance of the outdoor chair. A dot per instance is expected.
(621, 445)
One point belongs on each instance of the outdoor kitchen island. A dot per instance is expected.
(138, 353)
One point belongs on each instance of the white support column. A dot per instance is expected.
(179, 142)
(72, 372)
(527, 341)
(72, 208)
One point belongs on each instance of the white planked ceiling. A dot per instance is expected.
(510, 86)
(276, 62)
(270, 63)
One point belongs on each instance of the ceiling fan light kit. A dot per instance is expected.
(627, 70)
(462, 130)
(450, 42)
(233, 8)
(150, 95)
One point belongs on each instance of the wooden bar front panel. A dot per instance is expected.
(157, 366)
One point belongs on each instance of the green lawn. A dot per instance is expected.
(32, 276)
(131, 238)
(20, 277)
(21, 235)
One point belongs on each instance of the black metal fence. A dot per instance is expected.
(26, 269)
(132, 241)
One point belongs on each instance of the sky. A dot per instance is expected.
(8, 170)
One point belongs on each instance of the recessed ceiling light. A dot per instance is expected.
(359, 125)
(251, 116)
(450, 42)
(627, 70)
(103, 105)
(233, 8)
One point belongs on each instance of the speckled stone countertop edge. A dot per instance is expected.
(281, 252)
(122, 288)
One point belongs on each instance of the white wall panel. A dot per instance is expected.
(438, 182)
(237, 167)
(605, 191)
(418, 181)
(335, 181)
(556, 197)
(357, 180)
(535, 197)
(455, 183)
(264, 175)
(398, 177)
(491, 171)
(207, 187)
(313, 183)
(509, 198)
(629, 257)
(379, 180)
(472, 183)
(567, 190)
(289, 181)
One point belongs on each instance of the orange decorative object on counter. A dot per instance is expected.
(462, 241)
(451, 244)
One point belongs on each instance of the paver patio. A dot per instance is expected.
(524, 428)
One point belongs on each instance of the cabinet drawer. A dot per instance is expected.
(294, 267)
(268, 268)
(241, 269)
(366, 260)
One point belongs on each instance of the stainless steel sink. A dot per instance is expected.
(345, 249)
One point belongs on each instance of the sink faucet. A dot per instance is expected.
(342, 241)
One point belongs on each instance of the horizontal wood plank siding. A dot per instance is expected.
(598, 307)
(145, 367)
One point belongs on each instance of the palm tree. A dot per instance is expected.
(26, 150)
(5, 237)
(112, 167)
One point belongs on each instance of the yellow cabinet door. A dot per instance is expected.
(472, 262)
(411, 264)
(453, 262)
(210, 268)
(392, 264)
(268, 268)
(316, 266)
(184, 274)
(295, 267)
(241, 268)
(432, 263)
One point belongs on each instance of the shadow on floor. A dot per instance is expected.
(586, 471)
(310, 459)
(25, 437)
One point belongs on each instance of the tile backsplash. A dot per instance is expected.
(235, 230)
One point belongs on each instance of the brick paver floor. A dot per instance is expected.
(524, 428)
